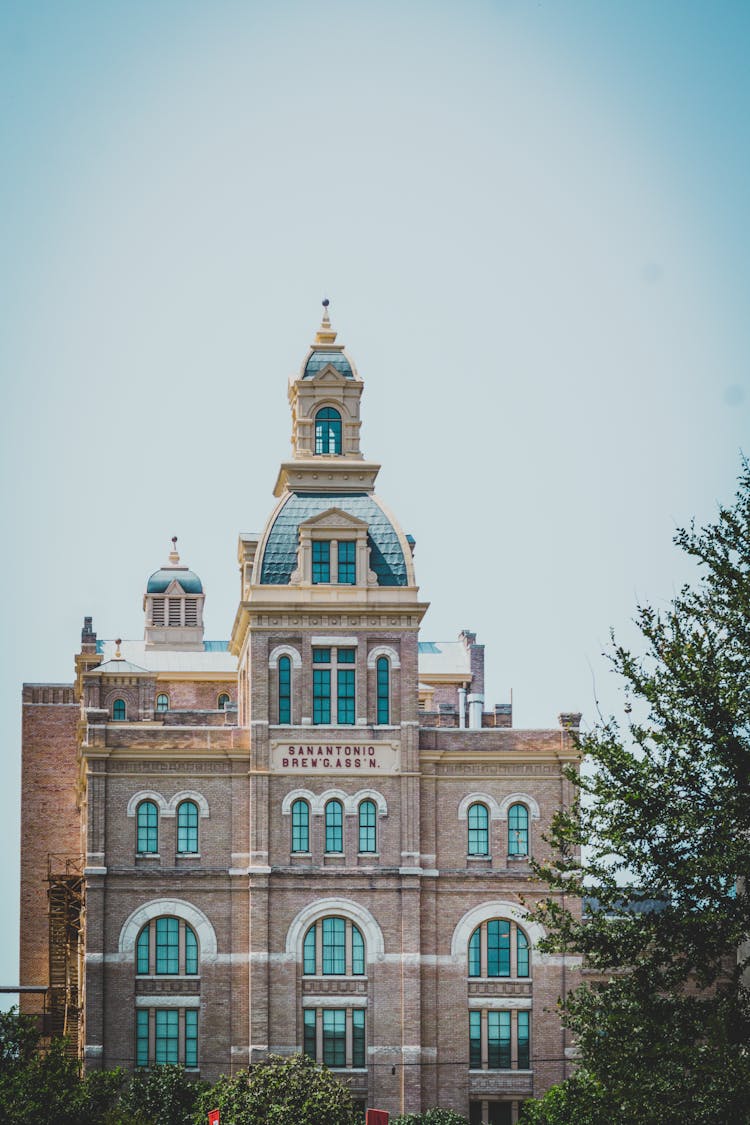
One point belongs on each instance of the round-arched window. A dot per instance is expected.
(327, 431)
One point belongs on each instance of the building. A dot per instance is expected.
(313, 836)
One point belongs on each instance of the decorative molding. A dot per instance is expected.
(383, 650)
(479, 799)
(497, 908)
(175, 907)
(341, 907)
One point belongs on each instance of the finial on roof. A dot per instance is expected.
(325, 334)
(118, 654)
(174, 558)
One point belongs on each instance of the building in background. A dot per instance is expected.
(312, 837)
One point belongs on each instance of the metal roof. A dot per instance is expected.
(444, 658)
(318, 360)
(170, 660)
(160, 580)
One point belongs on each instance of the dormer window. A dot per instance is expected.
(333, 550)
(347, 562)
(321, 561)
(327, 431)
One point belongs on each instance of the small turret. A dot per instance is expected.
(173, 605)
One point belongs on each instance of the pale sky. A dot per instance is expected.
(530, 219)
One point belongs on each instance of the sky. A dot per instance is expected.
(530, 219)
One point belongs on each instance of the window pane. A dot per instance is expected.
(383, 669)
(367, 822)
(518, 830)
(524, 1021)
(321, 560)
(191, 1037)
(334, 1037)
(327, 431)
(346, 655)
(334, 827)
(347, 562)
(167, 1036)
(321, 656)
(498, 949)
(475, 1040)
(142, 958)
(498, 1039)
(334, 946)
(358, 1037)
(310, 1045)
(191, 951)
(285, 690)
(162, 703)
(141, 1037)
(147, 819)
(358, 953)
(118, 711)
(187, 827)
(321, 695)
(345, 710)
(522, 954)
(222, 701)
(475, 961)
(167, 945)
(309, 967)
(300, 826)
(478, 830)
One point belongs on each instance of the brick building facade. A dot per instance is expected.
(314, 836)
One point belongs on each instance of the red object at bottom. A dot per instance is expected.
(376, 1117)
(213, 1117)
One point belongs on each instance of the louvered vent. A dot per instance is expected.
(175, 616)
(157, 611)
(191, 611)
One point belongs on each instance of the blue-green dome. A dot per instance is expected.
(319, 360)
(160, 580)
(280, 555)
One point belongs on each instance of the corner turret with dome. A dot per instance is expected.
(173, 605)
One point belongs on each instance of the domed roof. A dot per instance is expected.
(317, 360)
(160, 580)
(280, 552)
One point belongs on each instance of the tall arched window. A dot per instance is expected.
(167, 946)
(187, 827)
(119, 711)
(147, 828)
(334, 1036)
(367, 826)
(162, 703)
(333, 947)
(300, 826)
(285, 689)
(382, 671)
(328, 431)
(498, 948)
(334, 818)
(479, 830)
(518, 830)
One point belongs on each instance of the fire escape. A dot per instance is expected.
(65, 897)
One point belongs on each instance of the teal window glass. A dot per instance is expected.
(346, 655)
(345, 702)
(285, 689)
(347, 569)
(321, 696)
(191, 952)
(475, 1040)
(498, 1040)
(321, 561)
(358, 953)
(522, 954)
(167, 1040)
(479, 830)
(475, 953)
(524, 1040)
(300, 826)
(310, 1042)
(162, 703)
(498, 948)
(147, 828)
(191, 1037)
(222, 701)
(334, 819)
(334, 1036)
(321, 656)
(358, 1037)
(518, 830)
(187, 827)
(142, 951)
(334, 946)
(383, 690)
(367, 822)
(327, 431)
(141, 1037)
(119, 711)
(309, 965)
(167, 945)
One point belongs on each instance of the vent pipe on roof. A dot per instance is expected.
(462, 707)
(476, 705)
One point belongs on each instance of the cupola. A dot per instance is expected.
(173, 605)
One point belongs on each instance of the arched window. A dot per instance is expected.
(382, 669)
(479, 830)
(167, 946)
(119, 711)
(518, 830)
(498, 948)
(300, 826)
(285, 690)
(334, 817)
(147, 828)
(162, 703)
(187, 827)
(222, 701)
(333, 947)
(328, 431)
(367, 826)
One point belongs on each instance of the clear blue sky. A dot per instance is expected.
(531, 219)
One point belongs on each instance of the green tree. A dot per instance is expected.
(430, 1117)
(165, 1095)
(664, 808)
(279, 1091)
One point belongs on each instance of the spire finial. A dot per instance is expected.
(325, 334)
(174, 558)
(118, 654)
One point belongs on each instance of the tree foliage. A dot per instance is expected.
(664, 815)
(430, 1117)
